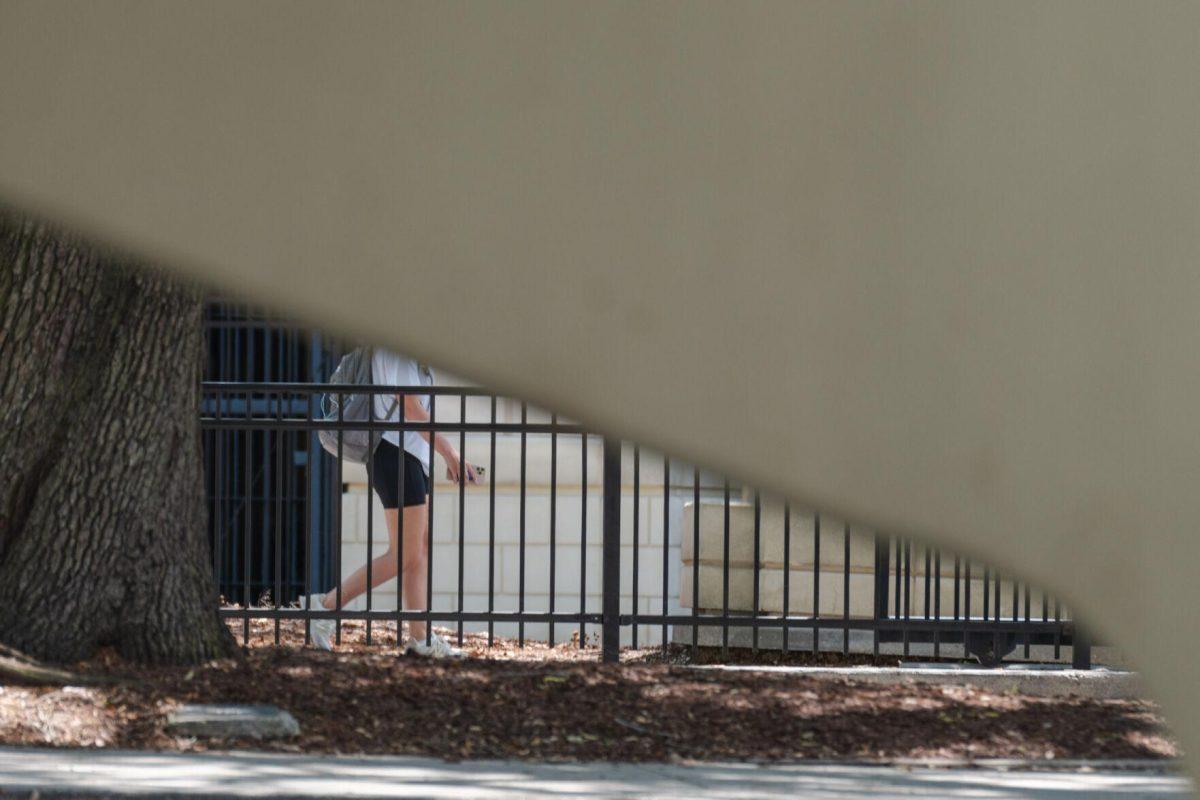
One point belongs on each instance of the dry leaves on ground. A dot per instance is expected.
(560, 703)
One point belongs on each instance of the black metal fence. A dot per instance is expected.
(259, 474)
(277, 535)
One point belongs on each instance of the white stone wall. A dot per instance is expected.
(472, 528)
(832, 600)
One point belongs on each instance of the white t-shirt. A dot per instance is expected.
(389, 369)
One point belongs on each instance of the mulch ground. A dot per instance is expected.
(560, 703)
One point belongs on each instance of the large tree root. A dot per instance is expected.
(16, 667)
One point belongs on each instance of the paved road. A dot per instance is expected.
(70, 773)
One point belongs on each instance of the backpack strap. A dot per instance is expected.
(369, 357)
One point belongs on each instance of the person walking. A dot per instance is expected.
(401, 491)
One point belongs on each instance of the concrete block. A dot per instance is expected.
(771, 547)
(351, 501)
(232, 721)
(354, 555)
(376, 518)
(475, 567)
(650, 561)
(383, 598)
(800, 591)
(478, 516)
(654, 519)
(537, 572)
(445, 517)
(568, 516)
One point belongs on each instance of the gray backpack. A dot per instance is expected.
(356, 445)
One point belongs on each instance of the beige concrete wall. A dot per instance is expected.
(474, 525)
(831, 558)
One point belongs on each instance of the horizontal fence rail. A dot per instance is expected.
(571, 537)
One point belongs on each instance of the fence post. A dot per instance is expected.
(611, 624)
(882, 567)
(1081, 648)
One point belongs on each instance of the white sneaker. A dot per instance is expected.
(437, 648)
(321, 630)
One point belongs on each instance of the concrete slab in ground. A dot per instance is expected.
(862, 642)
(134, 774)
(226, 721)
(1037, 680)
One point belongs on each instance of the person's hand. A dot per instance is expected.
(456, 466)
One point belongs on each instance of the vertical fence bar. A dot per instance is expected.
(611, 632)
(899, 577)
(846, 591)
(1057, 629)
(309, 471)
(928, 581)
(268, 477)
(462, 506)
(816, 613)
(937, 602)
(1081, 648)
(957, 563)
(217, 500)
(907, 591)
(666, 546)
(966, 608)
(429, 526)
(247, 523)
(400, 483)
(337, 524)
(521, 531)
(280, 446)
(553, 517)
(757, 562)
(787, 572)
(883, 549)
(491, 606)
(227, 469)
(695, 559)
(996, 607)
(583, 487)
(637, 485)
(1027, 609)
(370, 465)
(987, 587)
(997, 638)
(725, 580)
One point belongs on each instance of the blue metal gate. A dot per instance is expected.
(271, 498)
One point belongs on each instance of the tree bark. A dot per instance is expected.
(102, 514)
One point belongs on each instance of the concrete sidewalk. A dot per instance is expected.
(124, 773)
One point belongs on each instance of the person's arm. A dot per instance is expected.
(415, 412)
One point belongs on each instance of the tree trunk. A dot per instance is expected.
(102, 515)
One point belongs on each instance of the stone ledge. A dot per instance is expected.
(232, 721)
(1035, 680)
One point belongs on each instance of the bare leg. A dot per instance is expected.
(383, 566)
(416, 563)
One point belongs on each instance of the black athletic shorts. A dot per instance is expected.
(385, 476)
